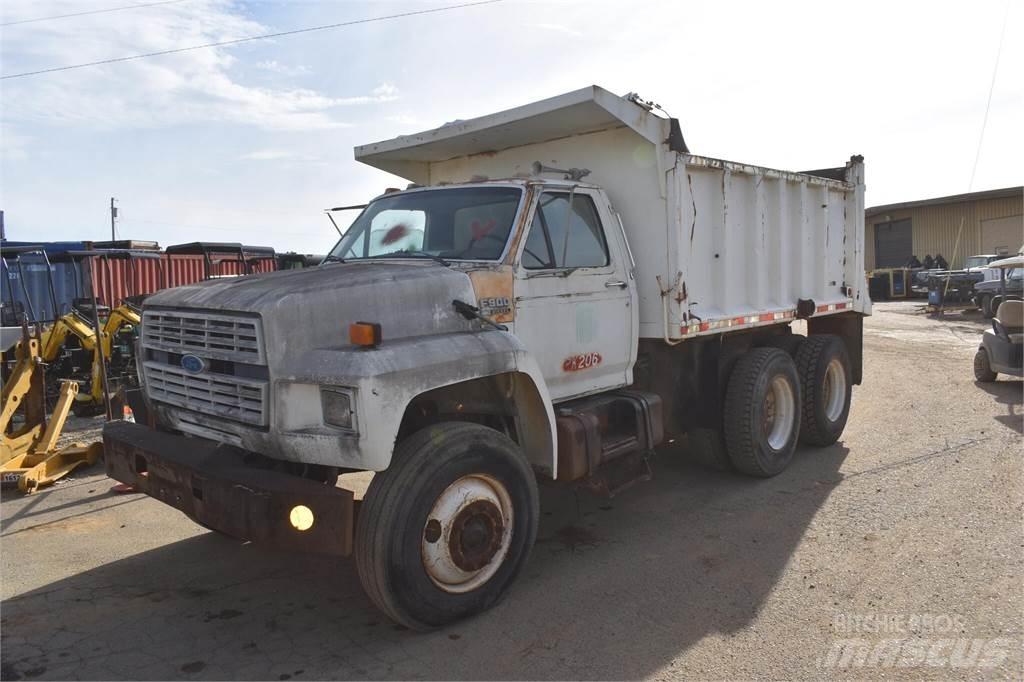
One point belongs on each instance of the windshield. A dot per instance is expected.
(978, 261)
(470, 223)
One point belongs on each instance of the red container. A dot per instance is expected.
(115, 279)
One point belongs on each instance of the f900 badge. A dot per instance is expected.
(498, 305)
(576, 363)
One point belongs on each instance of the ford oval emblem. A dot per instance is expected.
(192, 363)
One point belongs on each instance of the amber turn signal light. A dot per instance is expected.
(366, 334)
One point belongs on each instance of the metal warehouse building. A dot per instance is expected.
(992, 223)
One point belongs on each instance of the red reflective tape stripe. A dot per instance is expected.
(822, 308)
(704, 326)
(840, 306)
(767, 317)
(739, 320)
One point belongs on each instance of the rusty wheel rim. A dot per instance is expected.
(467, 534)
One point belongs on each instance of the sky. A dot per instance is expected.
(251, 142)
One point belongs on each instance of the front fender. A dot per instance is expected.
(386, 379)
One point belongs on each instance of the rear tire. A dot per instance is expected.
(986, 306)
(762, 412)
(446, 528)
(983, 368)
(827, 387)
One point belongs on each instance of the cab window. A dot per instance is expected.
(565, 235)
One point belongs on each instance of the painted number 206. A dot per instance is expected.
(582, 361)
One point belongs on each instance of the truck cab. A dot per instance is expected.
(553, 247)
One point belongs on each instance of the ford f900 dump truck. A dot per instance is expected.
(561, 288)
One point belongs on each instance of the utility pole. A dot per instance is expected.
(113, 217)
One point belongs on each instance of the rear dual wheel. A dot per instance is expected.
(777, 395)
(762, 412)
(446, 528)
(826, 385)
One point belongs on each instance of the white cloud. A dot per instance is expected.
(385, 92)
(558, 28)
(14, 145)
(278, 155)
(274, 66)
(404, 119)
(197, 86)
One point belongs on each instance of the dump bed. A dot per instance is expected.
(718, 245)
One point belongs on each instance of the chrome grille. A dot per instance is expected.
(208, 335)
(231, 397)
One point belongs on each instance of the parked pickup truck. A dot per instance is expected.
(1005, 282)
(562, 287)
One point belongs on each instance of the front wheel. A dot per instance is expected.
(445, 530)
(982, 367)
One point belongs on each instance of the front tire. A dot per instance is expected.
(983, 368)
(825, 377)
(762, 412)
(445, 530)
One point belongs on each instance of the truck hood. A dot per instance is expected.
(313, 308)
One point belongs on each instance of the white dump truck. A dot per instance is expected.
(561, 288)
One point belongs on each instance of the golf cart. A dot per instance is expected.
(1000, 351)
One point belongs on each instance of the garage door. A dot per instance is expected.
(893, 243)
(1002, 235)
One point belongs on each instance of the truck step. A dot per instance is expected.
(606, 439)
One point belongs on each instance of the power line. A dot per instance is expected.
(988, 103)
(977, 153)
(95, 11)
(251, 38)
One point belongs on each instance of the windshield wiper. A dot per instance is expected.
(471, 312)
(414, 254)
(331, 258)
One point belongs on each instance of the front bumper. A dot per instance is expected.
(210, 484)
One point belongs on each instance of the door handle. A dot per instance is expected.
(616, 283)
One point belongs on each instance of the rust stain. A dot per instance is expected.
(693, 201)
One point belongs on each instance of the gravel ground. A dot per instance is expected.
(895, 553)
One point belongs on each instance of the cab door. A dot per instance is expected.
(575, 299)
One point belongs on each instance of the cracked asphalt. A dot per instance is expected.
(914, 520)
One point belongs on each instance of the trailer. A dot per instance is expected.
(561, 288)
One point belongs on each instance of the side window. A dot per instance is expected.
(564, 236)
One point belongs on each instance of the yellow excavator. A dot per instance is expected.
(68, 347)
(29, 455)
(54, 347)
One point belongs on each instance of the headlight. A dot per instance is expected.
(338, 407)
